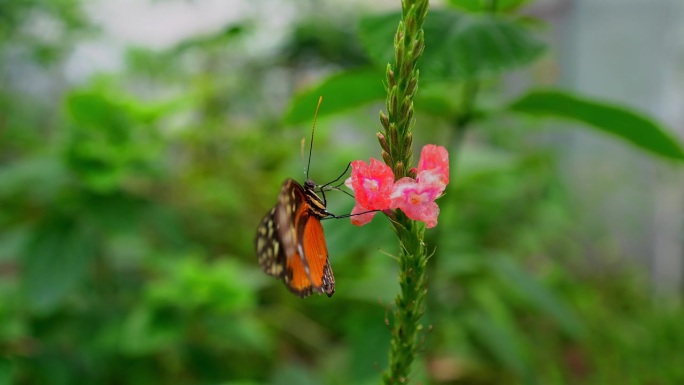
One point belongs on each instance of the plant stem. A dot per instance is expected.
(402, 84)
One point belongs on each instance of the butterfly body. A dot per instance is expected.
(290, 243)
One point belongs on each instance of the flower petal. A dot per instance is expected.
(436, 159)
(348, 183)
(427, 213)
(372, 184)
(431, 181)
(362, 219)
(416, 200)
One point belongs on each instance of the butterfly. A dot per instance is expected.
(290, 243)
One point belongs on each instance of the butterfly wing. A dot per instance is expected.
(315, 251)
(270, 252)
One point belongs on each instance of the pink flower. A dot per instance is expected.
(436, 159)
(372, 184)
(375, 189)
(416, 197)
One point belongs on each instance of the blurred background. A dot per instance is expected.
(141, 142)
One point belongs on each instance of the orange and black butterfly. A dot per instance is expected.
(290, 243)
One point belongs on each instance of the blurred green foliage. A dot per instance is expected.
(128, 205)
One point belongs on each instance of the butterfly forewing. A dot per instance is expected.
(290, 242)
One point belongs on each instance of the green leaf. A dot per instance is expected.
(110, 138)
(340, 92)
(95, 109)
(294, 373)
(224, 286)
(20, 178)
(617, 120)
(469, 5)
(500, 341)
(458, 46)
(484, 6)
(144, 331)
(56, 260)
(7, 371)
(537, 295)
(376, 33)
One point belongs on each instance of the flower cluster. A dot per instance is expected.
(375, 189)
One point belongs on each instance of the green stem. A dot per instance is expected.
(396, 139)
(409, 303)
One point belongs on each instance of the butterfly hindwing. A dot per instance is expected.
(316, 251)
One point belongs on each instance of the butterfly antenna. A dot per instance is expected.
(313, 129)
